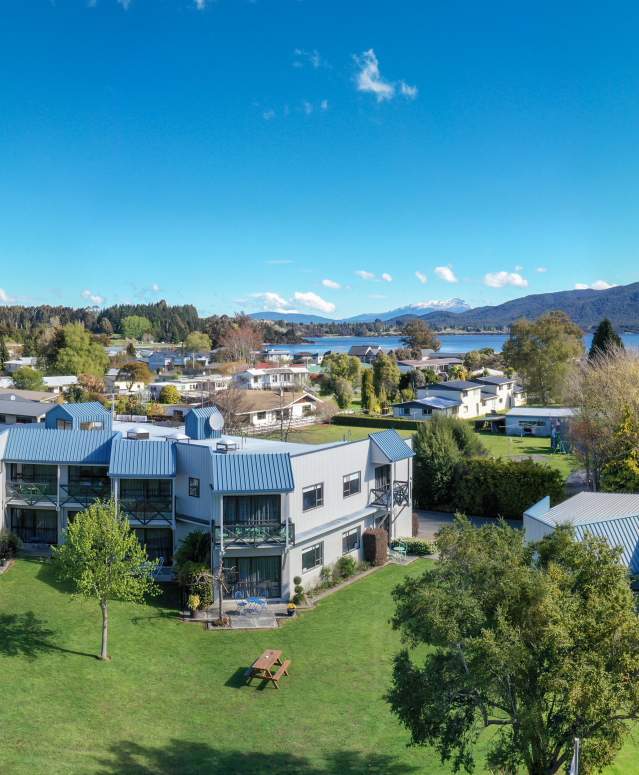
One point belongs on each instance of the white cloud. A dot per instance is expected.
(155, 288)
(446, 273)
(365, 275)
(369, 78)
(272, 301)
(268, 115)
(307, 107)
(421, 277)
(313, 301)
(311, 58)
(94, 298)
(598, 285)
(387, 278)
(519, 268)
(410, 92)
(324, 105)
(4, 297)
(330, 284)
(200, 4)
(500, 279)
(542, 269)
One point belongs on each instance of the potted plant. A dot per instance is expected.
(290, 609)
(194, 603)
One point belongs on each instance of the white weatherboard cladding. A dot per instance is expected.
(194, 460)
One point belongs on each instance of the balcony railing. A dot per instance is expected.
(36, 535)
(32, 492)
(248, 534)
(145, 510)
(381, 496)
(85, 491)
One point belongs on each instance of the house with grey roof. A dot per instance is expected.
(426, 408)
(613, 516)
(274, 510)
(367, 353)
(538, 420)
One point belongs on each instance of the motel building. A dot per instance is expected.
(274, 510)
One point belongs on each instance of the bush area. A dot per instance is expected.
(332, 575)
(416, 546)
(376, 422)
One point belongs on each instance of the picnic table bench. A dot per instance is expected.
(263, 666)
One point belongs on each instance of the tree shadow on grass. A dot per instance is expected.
(188, 758)
(27, 636)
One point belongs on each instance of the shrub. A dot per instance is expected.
(298, 597)
(197, 577)
(196, 547)
(436, 457)
(10, 544)
(416, 546)
(506, 488)
(344, 568)
(375, 544)
(193, 602)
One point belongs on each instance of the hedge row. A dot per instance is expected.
(417, 546)
(371, 421)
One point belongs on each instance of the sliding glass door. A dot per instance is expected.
(253, 576)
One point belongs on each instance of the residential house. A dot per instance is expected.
(273, 355)
(503, 388)
(425, 408)
(367, 353)
(194, 388)
(264, 410)
(441, 366)
(538, 421)
(274, 510)
(266, 377)
(14, 364)
(43, 396)
(16, 410)
(113, 383)
(469, 394)
(59, 384)
(613, 516)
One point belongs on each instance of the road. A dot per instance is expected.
(430, 522)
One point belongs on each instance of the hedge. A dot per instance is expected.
(490, 487)
(372, 421)
(416, 546)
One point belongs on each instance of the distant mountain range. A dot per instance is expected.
(419, 309)
(586, 307)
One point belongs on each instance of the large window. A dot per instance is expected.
(312, 497)
(253, 576)
(145, 489)
(350, 540)
(313, 557)
(194, 487)
(253, 509)
(158, 542)
(64, 425)
(92, 425)
(352, 484)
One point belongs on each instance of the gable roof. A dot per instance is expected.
(455, 384)
(142, 459)
(541, 411)
(494, 380)
(588, 508)
(434, 402)
(86, 410)
(250, 401)
(23, 408)
(239, 472)
(44, 445)
(391, 445)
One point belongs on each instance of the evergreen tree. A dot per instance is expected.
(4, 353)
(605, 338)
(368, 390)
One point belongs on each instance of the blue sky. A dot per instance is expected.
(316, 155)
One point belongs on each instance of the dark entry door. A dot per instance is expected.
(382, 476)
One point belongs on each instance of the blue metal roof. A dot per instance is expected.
(88, 411)
(237, 472)
(197, 423)
(34, 445)
(391, 445)
(143, 459)
(622, 532)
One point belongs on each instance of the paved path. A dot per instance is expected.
(432, 521)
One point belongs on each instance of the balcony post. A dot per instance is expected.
(116, 494)
(58, 511)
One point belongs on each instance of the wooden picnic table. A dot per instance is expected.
(263, 667)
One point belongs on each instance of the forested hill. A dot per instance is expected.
(586, 307)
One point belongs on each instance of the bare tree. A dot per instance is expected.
(242, 339)
(231, 402)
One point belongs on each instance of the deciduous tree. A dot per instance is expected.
(135, 327)
(26, 378)
(386, 376)
(539, 642)
(418, 336)
(77, 353)
(170, 395)
(196, 342)
(135, 371)
(104, 560)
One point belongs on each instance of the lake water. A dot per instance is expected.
(451, 343)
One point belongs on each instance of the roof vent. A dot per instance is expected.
(138, 433)
(227, 446)
(177, 436)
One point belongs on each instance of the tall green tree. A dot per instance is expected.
(367, 389)
(4, 352)
(417, 335)
(26, 378)
(78, 353)
(621, 473)
(104, 560)
(135, 327)
(341, 366)
(604, 339)
(197, 341)
(538, 642)
(135, 371)
(437, 455)
(170, 395)
(543, 351)
(386, 376)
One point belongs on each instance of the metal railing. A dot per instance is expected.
(36, 535)
(85, 491)
(248, 588)
(32, 492)
(145, 510)
(254, 534)
(381, 496)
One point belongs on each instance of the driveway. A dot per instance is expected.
(430, 522)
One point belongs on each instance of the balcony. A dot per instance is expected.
(381, 496)
(255, 534)
(147, 509)
(32, 492)
(85, 491)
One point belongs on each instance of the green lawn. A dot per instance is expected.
(173, 699)
(322, 433)
(514, 446)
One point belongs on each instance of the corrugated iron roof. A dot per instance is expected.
(85, 410)
(588, 508)
(391, 445)
(142, 459)
(541, 411)
(238, 472)
(623, 532)
(44, 445)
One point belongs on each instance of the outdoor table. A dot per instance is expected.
(263, 667)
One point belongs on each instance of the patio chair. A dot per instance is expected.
(240, 597)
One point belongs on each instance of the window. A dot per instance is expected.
(93, 425)
(352, 484)
(252, 509)
(261, 415)
(313, 557)
(194, 487)
(350, 540)
(312, 497)
(64, 425)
